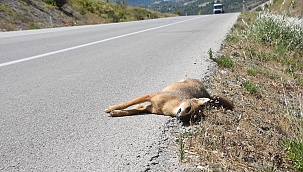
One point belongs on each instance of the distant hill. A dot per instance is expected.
(35, 14)
(192, 7)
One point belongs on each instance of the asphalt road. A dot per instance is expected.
(55, 84)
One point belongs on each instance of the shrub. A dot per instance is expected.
(58, 3)
(277, 30)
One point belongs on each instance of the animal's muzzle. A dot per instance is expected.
(182, 118)
(178, 115)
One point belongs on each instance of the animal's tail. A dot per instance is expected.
(219, 100)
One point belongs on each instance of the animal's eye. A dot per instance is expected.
(187, 109)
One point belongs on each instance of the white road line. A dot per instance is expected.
(88, 44)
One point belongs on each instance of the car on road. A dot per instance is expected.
(218, 9)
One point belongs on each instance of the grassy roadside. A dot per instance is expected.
(261, 70)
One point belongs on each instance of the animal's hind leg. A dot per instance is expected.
(141, 99)
(141, 108)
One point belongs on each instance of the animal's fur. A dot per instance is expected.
(181, 99)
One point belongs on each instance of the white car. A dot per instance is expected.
(218, 9)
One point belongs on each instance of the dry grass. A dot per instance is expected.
(294, 7)
(250, 138)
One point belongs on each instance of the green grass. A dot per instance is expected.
(263, 56)
(252, 88)
(33, 27)
(231, 38)
(210, 53)
(221, 60)
(181, 146)
(294, 149)
(224, 61)
(252, 72)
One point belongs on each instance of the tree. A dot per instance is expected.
(124, 2)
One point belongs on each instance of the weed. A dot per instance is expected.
(238, 26)
(263, 56)
(290, 70)
(33, 26)
(294, 148)
(231, 38)
(181, 146)
(224, 62)
(281, 49)
(252, 88)
(270, 74)
(210, 53)
(251, 72)
(250, 51)
(268, 168)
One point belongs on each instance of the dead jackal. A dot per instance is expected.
(181, 99)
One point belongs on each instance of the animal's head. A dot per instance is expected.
(190, 108)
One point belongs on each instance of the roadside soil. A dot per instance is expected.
(249, 138)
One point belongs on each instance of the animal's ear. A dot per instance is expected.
(201, 101)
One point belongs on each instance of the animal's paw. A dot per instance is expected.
(114, 113)
(108, 110)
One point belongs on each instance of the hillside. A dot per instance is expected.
(293, 7)
(136, 3)
(35, 14)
